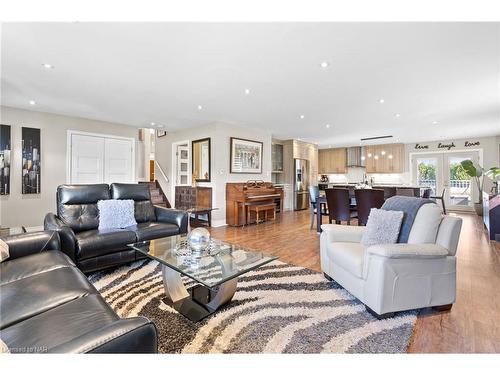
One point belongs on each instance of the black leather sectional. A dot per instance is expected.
(77, 221)
(47, 305)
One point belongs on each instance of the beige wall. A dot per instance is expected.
(29, 209)
(220, 134)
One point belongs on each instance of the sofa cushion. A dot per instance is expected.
(426, 224)
(30, 265)
(30, 296)
(144, 209)
(77, 205)
(348, 255)
(78, 317)
(116, 213)
(152, 230)
(93, 243)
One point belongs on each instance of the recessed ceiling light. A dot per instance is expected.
(363, 158)
(302, 117)
(397, 115)
(48, 66)
(324, 64)
(381, 101)
(376, 157)
(369, 155)
(327, 126)
(434, 122)
(382, 152)
(200, 107)
(390, 156)
(153, 124)
(32, 102)
(247, 91)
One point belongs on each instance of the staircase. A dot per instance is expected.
(158, 198)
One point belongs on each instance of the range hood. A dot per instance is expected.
(355, 156)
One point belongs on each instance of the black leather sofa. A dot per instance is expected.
(77, 221)
(47, 305)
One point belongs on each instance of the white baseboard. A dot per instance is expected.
(218, 223)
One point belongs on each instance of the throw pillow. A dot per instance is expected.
(382, 227)
(116, 213)
(4, 349)
(4, 251)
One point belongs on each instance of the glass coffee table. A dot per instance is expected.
(216, 273)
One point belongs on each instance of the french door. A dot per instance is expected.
(443, 173)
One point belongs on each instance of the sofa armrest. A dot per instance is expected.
(66, 234)
(342, 233)
(132, 335)
(24, 244)
(172, 216)
(404, 250)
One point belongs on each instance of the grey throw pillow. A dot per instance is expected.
(382, 227)
(116, 213)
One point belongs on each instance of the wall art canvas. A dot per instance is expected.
(5, 155)
(31, 173)
(246, 156)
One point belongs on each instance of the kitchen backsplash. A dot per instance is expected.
(355, 174)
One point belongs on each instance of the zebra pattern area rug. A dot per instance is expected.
(278, 308)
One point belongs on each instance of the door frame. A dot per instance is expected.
(69, 150)
(443, 154)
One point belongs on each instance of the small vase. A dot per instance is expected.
(478, 207)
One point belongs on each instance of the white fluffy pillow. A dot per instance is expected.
(4, 251)
(116, 213)
(4, 348)
(382, 227)
(426, 224)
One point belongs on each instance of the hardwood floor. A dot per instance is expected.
(471, 326)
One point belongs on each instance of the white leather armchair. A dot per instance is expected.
(396, 277)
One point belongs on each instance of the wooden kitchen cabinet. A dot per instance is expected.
(332, 160)
(387, 158)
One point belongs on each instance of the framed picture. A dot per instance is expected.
(31, 167)
(5, 154)
(246, 156)
(161, 133)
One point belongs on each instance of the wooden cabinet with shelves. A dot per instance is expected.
(332, 160)
(387, 158)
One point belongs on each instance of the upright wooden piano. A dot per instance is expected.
(239, 195)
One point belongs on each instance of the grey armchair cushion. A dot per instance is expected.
(382, 227)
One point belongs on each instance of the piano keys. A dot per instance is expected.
(241, 194)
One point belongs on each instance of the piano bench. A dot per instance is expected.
(258, 208)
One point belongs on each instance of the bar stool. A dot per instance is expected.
(339, 208)
(367, 199)
(441, 198)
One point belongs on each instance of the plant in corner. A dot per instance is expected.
(476, 172)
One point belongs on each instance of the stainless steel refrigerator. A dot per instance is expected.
(301, 184)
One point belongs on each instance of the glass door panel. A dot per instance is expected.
(183, 163)
(427, 169)
(460, 191)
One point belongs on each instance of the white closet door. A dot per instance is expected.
(87, 159)
(118, 160)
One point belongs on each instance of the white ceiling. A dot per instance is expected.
(136, 73)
